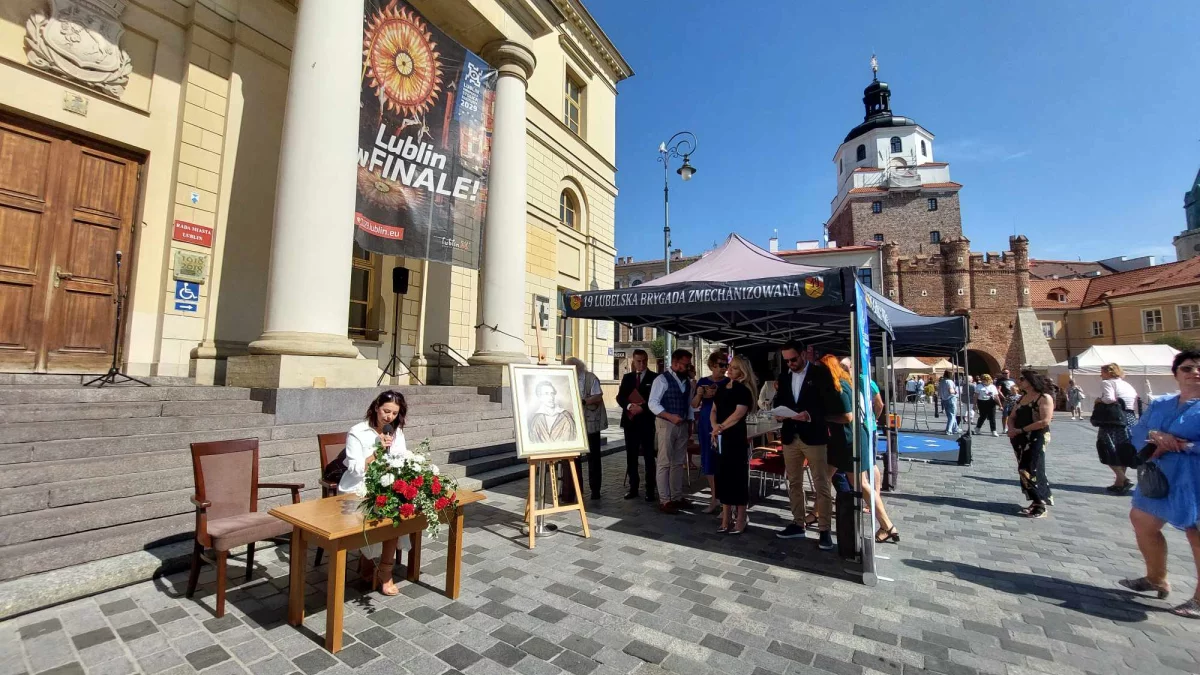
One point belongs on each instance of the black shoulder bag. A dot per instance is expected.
(1152, 482)
(1109, 414)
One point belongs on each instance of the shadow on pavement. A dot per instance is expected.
(999, 508)
(1112, 604)
(1065, 487)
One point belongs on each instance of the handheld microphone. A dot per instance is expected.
(389, 430)
(118, 256)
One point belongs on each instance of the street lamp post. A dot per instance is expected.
(682, 144)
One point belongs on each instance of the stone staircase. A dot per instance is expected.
(88, 474)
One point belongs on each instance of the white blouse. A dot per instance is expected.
(360, 444)
(1117, 388)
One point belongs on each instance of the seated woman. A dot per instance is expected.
(383, 423)
(1172, 425)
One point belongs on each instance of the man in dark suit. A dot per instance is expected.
(638, 423)
(806, 387)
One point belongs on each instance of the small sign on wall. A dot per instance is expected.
(187, 296)
(191, 233)
(190, 266)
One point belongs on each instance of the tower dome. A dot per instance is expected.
(878, 109)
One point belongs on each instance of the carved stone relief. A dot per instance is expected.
(80, 39)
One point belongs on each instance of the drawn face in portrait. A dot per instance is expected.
(550, 422)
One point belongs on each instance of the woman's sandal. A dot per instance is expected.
(1144, 585)
(810, 520)
(1027, 510)
(383, 580)
(1188, 610)
(722, 529)
(890, 534)
(1038, 511)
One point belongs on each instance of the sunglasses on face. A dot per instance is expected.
(794, 359)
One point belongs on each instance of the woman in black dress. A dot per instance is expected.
(734, 400)
(1029, 431)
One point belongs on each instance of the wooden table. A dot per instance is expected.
(336, 525)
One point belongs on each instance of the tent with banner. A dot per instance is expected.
(743, 296)
(1146, 367)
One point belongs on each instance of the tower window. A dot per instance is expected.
(840, 166)
(878, 237)
(935, 237)
(931, 203)
(861, 153)
(896, 145)
(876, 207)
(923, 153)
(864, 276)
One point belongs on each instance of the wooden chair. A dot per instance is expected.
(330, 446)
(766, 464)
(227, 515)
(693, 450)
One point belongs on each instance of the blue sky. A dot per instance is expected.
(1075, 123)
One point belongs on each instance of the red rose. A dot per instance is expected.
(441, 503)
(406, 510)
(436, 487)
(411, 493)
(381, 501)
(419, 481)
(400, 486)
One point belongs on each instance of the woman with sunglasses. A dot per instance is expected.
(1172, 425)
(706, 390)
(1028, 430)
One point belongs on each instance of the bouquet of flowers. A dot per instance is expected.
(406, 484)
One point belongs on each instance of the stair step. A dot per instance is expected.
(51, 412)
(17, 395)
(495, 477)
(81, 448)
(479, 465)
(65, 380)
(24, 432)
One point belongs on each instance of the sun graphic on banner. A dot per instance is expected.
(401, 59)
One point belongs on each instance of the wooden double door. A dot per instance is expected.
(67, 206)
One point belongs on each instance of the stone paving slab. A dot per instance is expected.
(971, 589)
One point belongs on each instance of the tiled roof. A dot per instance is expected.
(867, 169)
(1065, 269)
(1094, 291)
(1040, 289)
(950, 184)
(867, 190)
(813, 251)
(934, 164)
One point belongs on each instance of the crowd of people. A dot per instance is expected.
(660, 412)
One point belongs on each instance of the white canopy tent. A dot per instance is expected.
(1146, 367)
(910, 364)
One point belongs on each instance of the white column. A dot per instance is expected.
(308, 287)
(499, 340)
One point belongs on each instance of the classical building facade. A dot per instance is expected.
(180, 134)
(891, 193)
(1141, 306)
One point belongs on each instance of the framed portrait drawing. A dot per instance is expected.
(547, 410)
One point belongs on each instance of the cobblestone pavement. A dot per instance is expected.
(972, 588)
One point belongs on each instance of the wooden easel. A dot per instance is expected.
(546, 463)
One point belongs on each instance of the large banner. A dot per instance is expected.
(424, 139)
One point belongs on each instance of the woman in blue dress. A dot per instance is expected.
(1172, 424)
(706, 388)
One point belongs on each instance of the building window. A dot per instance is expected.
(362, 295)
(639, 334)
(636, 282)
(568, 210)
(864, 276)
(1152, 321)
(839, 166)
(931, 203)
(876, 207)
(935, 237)
(564, 343)
(1048, 329)
(1189, 317)
(1097, 328)
(878, 237)
(896, 145)
(923, 152)
(573, 105)
(861, 153)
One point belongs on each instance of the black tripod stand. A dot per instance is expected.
(394, 363)
(114, 374)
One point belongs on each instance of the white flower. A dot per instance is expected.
(419, 459)
(398, 461)
(386, 480)
(434, 469)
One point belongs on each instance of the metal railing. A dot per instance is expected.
(445, 351)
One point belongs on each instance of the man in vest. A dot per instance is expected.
(638, 423)
(670, 401)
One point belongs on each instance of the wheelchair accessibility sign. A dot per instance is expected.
(187, 296)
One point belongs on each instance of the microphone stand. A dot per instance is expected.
(114, 374)
(392, 369)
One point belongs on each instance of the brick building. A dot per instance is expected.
(890, 190)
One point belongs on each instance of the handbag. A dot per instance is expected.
(1109, 414)
(1152, 482)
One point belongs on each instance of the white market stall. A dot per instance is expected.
(1146, 367)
